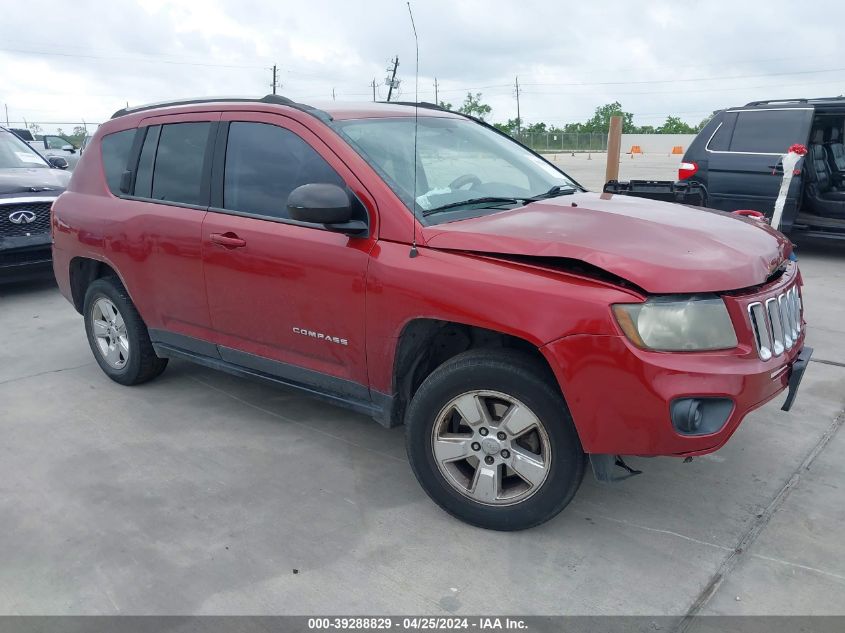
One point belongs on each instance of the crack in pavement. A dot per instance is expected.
(656, 530)
(724, 548)
(757, 526)
(44, 373)
(834, 363)
(800, 566)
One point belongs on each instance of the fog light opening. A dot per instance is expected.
(700, 416)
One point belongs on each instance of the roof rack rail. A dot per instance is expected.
(421, 104)
(799, 100)
(272, 99)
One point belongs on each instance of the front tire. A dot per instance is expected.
(490, 439)
(117, 335)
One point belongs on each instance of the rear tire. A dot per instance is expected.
(117, 335)
(490, 439)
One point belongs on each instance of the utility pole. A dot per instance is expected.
(275, 83)
(436, 101)
(518, 118)
(392, 83)
(374, 88)
(333, 95)
(6, 105)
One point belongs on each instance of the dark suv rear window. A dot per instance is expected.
(116, 148)
(177, 176)
(769, 131)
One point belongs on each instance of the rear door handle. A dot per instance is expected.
(228, 240)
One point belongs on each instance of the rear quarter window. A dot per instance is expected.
(769, 131)
(720, 140)
(116, 148)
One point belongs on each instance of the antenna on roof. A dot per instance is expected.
(414, 252)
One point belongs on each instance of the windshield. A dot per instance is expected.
(459, 163)
(15, 154)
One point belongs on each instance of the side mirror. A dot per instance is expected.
(58, 162)
(68, 148)
(326, 204)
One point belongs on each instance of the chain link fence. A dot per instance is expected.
(564, 141)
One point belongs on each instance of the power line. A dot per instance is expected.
(686, 79)
(697, 90)
(127, 59)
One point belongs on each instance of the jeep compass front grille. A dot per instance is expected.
(24, 218)
(776, 323)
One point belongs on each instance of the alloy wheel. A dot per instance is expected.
(491, 447)
(110, 333)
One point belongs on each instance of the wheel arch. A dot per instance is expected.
(424, 344)
(83, 272)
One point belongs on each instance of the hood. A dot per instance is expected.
(31, 181)
(659, 246)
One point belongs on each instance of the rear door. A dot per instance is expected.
(156, 235)
(743, 158)
(286, 298)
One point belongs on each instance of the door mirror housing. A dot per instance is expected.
(326, 204)
(58, 162)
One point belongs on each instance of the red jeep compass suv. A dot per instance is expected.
(418, 266)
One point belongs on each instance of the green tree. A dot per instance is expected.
(536, 128)
(674, 125)
(510, 127)
(445, 106)
(600, 122)
(474, 107)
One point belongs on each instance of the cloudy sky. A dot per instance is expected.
(64, 62)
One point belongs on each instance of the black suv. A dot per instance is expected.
(735, 163)
(28, 186)
(736, 160)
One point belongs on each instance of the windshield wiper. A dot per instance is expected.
(557, 190)
(471, 201)
(554, 192)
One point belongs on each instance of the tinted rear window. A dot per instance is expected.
(116, 148)
(177, 176)
(770, 131)
(721, 140)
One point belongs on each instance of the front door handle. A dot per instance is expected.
(228, 240)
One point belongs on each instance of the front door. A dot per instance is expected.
(285, 298)
(744, 168)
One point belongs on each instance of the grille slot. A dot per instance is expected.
(41, 224)
(786, 321)
(760, 327)
(776, 323)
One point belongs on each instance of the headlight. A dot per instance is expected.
(677, 324)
